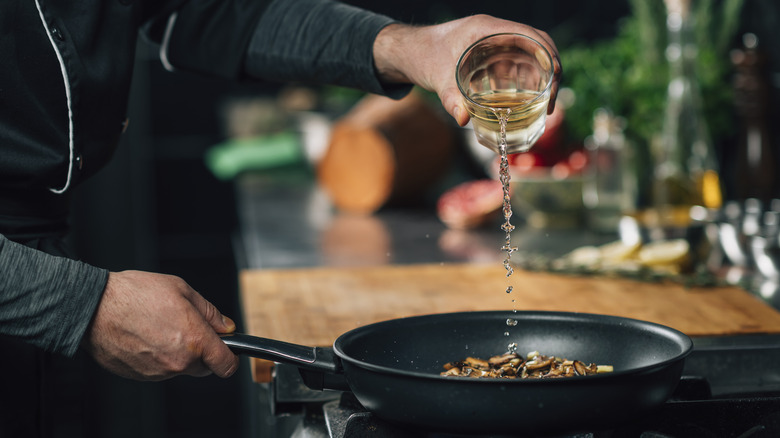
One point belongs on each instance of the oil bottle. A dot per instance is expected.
(686, 171)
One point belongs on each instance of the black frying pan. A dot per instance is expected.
(393, 369)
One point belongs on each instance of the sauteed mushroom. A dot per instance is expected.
(510, 366)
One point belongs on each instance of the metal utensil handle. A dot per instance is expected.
(310, 358)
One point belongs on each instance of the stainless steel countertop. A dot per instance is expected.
(288, 222)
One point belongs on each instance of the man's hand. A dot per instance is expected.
(427, 56)
(152, 327)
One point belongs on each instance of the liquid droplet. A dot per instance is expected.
(509, 290)
(511, 322)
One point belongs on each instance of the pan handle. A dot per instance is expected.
(319, 367)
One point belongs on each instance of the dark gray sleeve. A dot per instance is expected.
(45, 300)
(319, 41)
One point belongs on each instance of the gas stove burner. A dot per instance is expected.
(346, 418)
(691, 413)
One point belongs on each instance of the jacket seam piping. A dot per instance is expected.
(66, 81)
(166, 43)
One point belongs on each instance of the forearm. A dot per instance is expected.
(321, 42)
(45, 300)
(393, 51)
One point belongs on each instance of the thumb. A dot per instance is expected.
(452, 101)
(219, 322)
(216, 355)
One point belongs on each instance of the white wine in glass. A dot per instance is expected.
(524, 110)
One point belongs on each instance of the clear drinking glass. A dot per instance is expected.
(511, 74)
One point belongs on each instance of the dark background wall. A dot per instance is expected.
(156, 207)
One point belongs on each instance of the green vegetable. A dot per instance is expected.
(629, 73)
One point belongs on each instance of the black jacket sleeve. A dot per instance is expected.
(45, 300)
(311, 41)
(210, 36)
(321, 42)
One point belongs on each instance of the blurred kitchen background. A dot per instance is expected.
(167, 203)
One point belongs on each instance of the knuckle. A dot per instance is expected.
(231, 368)
(180, 284)
(210, 312)
(184, 357)
(178, 364)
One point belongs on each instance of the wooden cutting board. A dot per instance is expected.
(314, 306)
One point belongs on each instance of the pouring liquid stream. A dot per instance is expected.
(503, 116)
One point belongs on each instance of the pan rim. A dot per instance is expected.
(684, 341)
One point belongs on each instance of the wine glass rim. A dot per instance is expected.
(466, 52)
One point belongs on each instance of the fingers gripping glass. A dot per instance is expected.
(510, 74)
